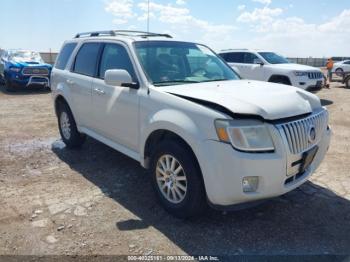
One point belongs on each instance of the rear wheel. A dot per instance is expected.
(177, 179)
(339, 72)
(68, 128)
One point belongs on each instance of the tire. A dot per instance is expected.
(347, 82)
(9, 86)
(68, 128)
(2, 81)
(339, 72)
(192, 202)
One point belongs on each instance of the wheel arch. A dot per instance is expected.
(181, 127)
(276, 77)
(159, 135)
(60, 98)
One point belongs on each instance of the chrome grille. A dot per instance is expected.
(315, 75)
(297, 132)
(35, 71)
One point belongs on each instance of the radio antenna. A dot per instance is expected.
(147, 16)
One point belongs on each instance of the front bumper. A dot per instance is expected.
(30, 81)
(309, 84)
(223, 169)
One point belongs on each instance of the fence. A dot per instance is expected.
(315, 62)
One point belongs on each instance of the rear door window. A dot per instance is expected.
(86, 59)
(64, 55)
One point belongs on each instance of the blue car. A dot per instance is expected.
(23, 69)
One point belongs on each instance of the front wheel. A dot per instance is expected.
(177, 179)
(347, 82)
(9, 86)
(68, 128)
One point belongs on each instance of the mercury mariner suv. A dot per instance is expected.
(271, 67)
(206, 136)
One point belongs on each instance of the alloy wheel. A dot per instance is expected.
(171, 179)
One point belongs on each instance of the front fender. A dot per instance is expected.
(171, 120)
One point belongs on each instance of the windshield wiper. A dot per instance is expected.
(174, 82)
(214, 80)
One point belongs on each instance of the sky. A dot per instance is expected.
(294, 28)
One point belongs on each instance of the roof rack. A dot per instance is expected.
(233, 49)
(122, 33)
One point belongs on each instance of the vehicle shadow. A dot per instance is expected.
(326, 102)
(309, 220)
(35, 90)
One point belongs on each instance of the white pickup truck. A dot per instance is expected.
(206, 136)
(271, 67)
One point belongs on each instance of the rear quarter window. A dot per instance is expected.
(64, 55)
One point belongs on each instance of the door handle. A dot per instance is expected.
(70, 82)
(99, 91)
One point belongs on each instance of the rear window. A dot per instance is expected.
(64, 56)
(86, 59)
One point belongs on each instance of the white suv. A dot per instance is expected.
(271, 67)
(205, 135)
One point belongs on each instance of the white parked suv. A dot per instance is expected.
(271, 67)
(177, 108)
(341, 67)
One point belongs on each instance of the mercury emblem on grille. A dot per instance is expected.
(312, 134)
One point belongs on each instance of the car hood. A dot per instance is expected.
(292, 66)
(28, 62)
(267, 100)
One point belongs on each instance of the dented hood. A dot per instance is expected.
(267, 100)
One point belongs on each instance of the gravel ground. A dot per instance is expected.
(98, 201)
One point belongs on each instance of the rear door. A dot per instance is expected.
(79, 81)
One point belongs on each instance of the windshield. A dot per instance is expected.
(169, 63)
(26, 56)
(274, 58)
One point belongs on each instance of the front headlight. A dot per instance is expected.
(300, 73)
(15, 69)
(249, 137)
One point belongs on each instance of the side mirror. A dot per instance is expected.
(120, 77)
(258, 62)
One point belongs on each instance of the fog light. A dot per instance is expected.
(250, 183)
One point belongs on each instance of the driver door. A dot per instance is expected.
(116, 108)
(251, 67)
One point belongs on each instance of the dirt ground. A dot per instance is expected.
(98, 201)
